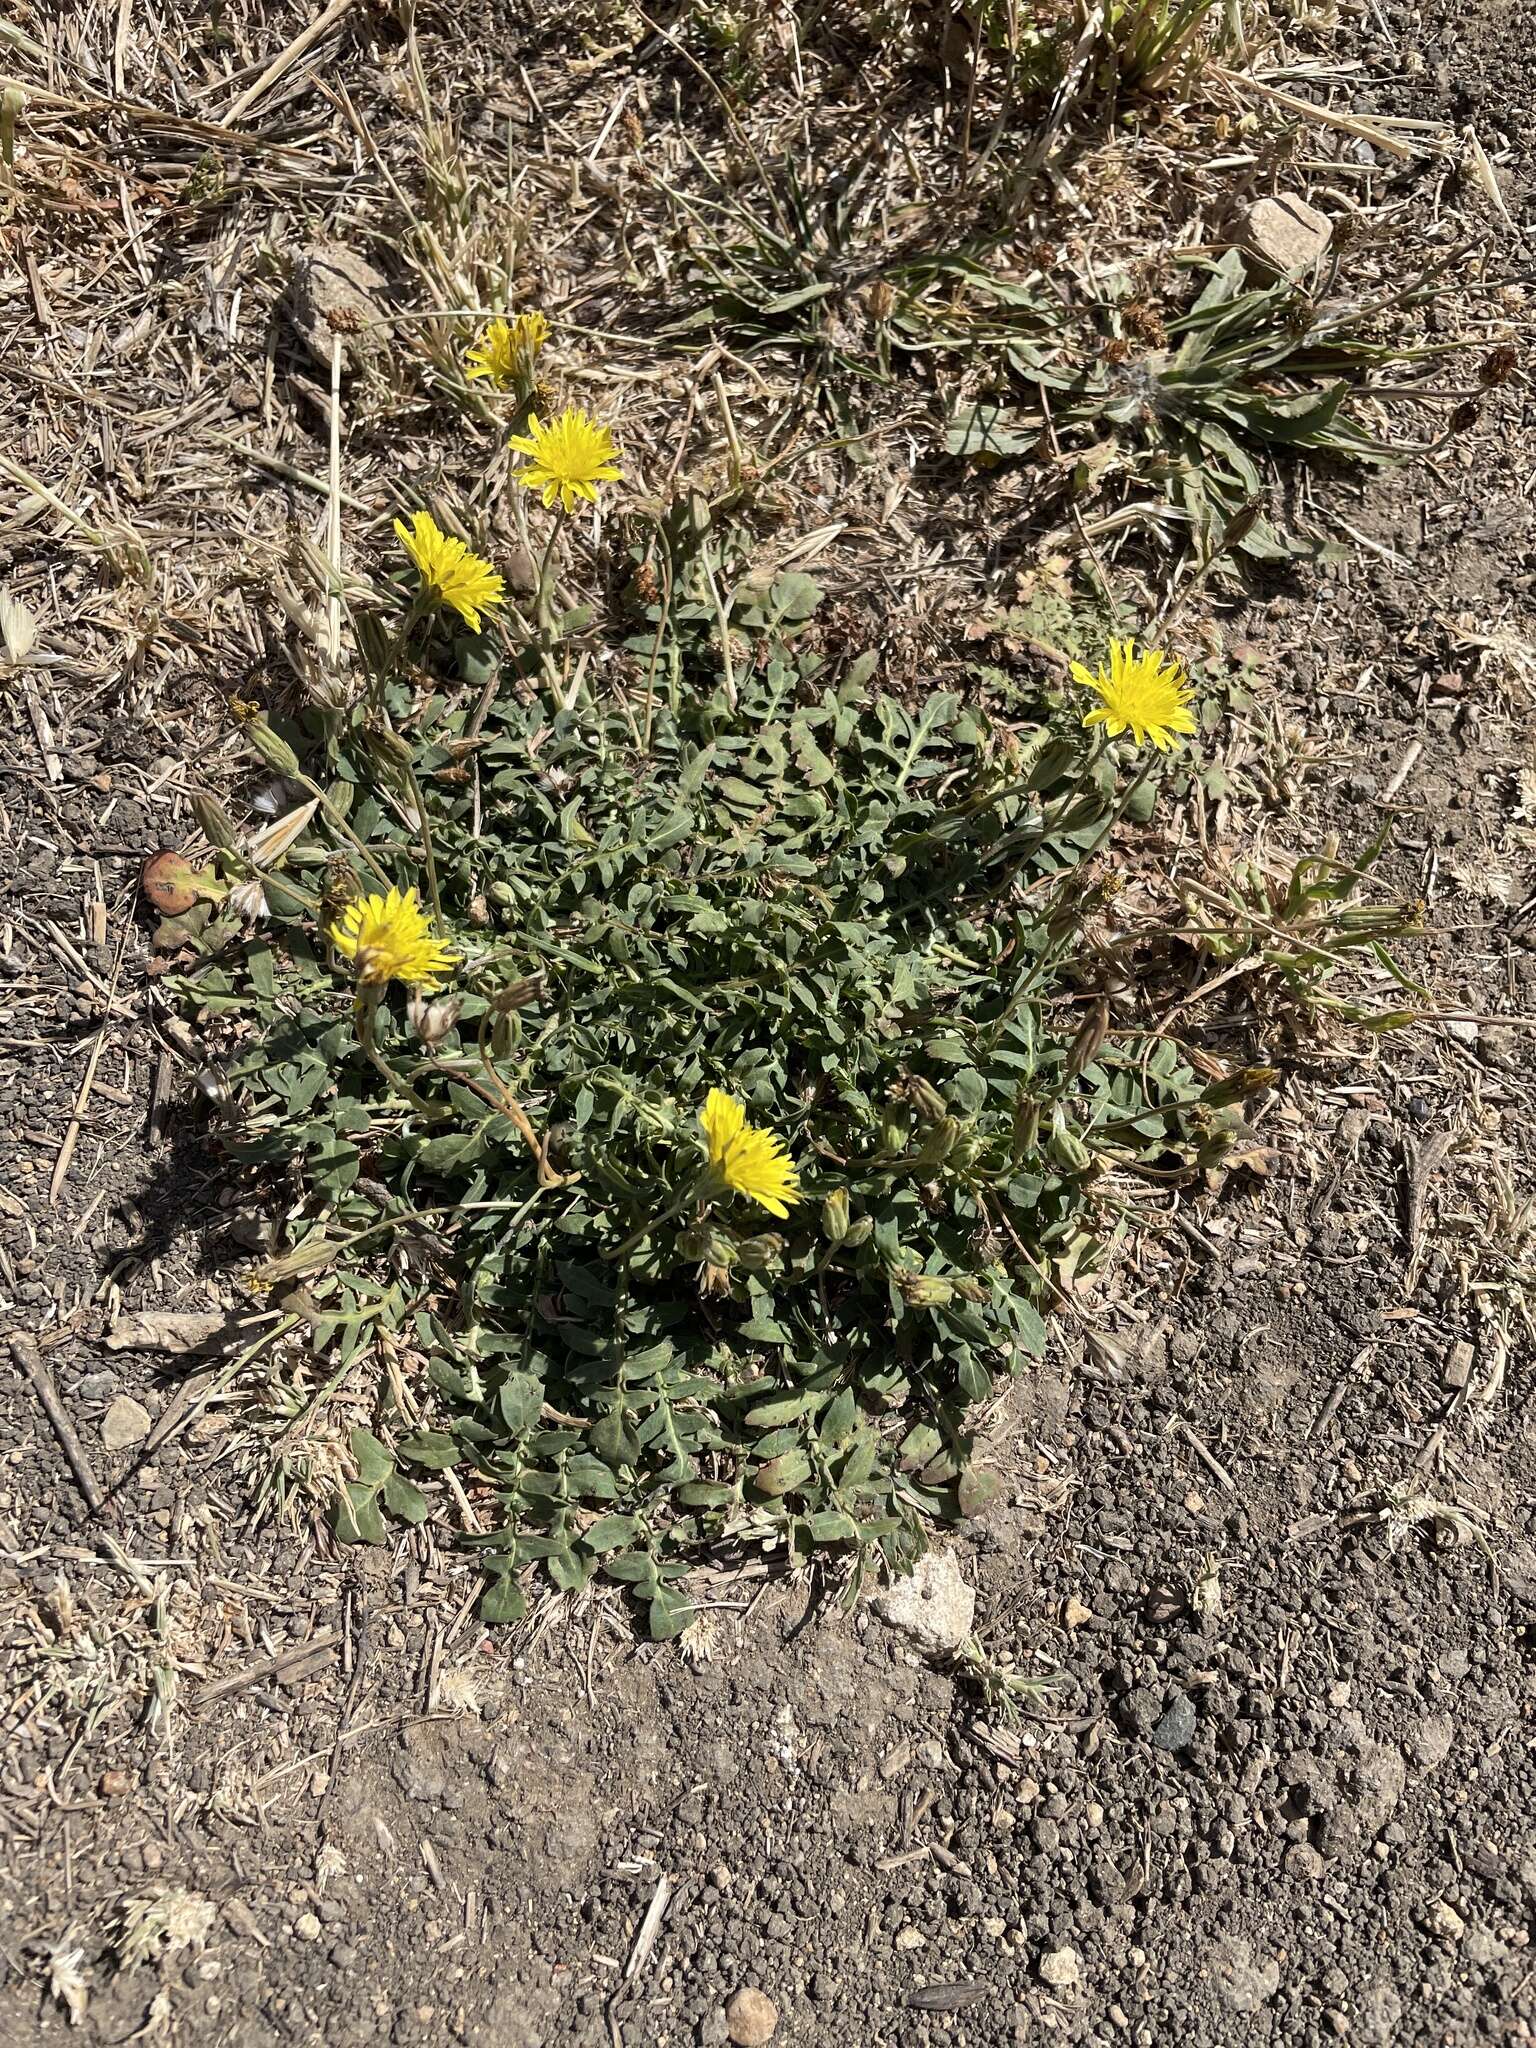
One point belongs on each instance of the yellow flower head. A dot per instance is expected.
(1146, 694)
(751, 1161)
(389, 938)
(568, 457)
(449, 572)
(507, 351)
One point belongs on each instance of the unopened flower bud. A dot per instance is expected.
(1068, 1149)
(1238, 1086)
(1026, 1128)
(926, 1099)
(517, 994)
(925, 1290)
(339, 885)
(757, 1254)
(277, 753)
(214, 822)
(859, 1231)
(834, 1215)
(1089, 1040)
(388, 746)
(940, 1141)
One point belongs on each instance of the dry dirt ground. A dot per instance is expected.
(1268, 1522)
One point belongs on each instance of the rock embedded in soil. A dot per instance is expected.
(126, 1422)
(1175, 1729)
(169, 1330)
(751, 2017)
(1285, 234)
(1246, 1982)
(1060, 1969)
(336, 291)
(933, 1607)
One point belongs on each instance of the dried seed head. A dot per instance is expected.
(517, 994)
(339, 885)
(432, 1021)
(1499, 365)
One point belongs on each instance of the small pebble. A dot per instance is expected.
(751, 2017)
(1060, 1968)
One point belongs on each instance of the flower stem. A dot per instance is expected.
(545, 614)
(428, 857)
(366, 1012)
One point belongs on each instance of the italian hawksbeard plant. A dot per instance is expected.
(690, 1111)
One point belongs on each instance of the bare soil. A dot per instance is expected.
(1268, 1519)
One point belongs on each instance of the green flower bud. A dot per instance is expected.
(1238, 1086)
(834, 1215)
(214, 822)
(1067, 1148)
(859, 1232)
(925, 1290)
(926, 1099)
(940, 1141)
(276, 753)
(757, 1254)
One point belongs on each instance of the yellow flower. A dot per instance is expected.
(1146, 694)
(569, 457)
(751, 1161)
(449, 572)
(389, 938)
(506, 352)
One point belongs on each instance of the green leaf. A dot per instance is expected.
(404, 1499)
(431, 1448)
(610, 1532)
(355, 1515)
(374, 1464)
(831, 1525)
(502, 1601)
(519, 1399)
(782, 1474)
(670, 1613)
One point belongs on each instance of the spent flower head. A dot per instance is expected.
(568, 457)
(390, 938)
(450, 573)
(506, 352)
(1146, 694)
(750, 1161)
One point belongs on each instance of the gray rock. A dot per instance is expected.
(1430, 1743)
(1284, 235)
(933, 1607)
(171, 1330)
(125, 1423)
(1247, 1981)
(1176, 1729)
(334, 291)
